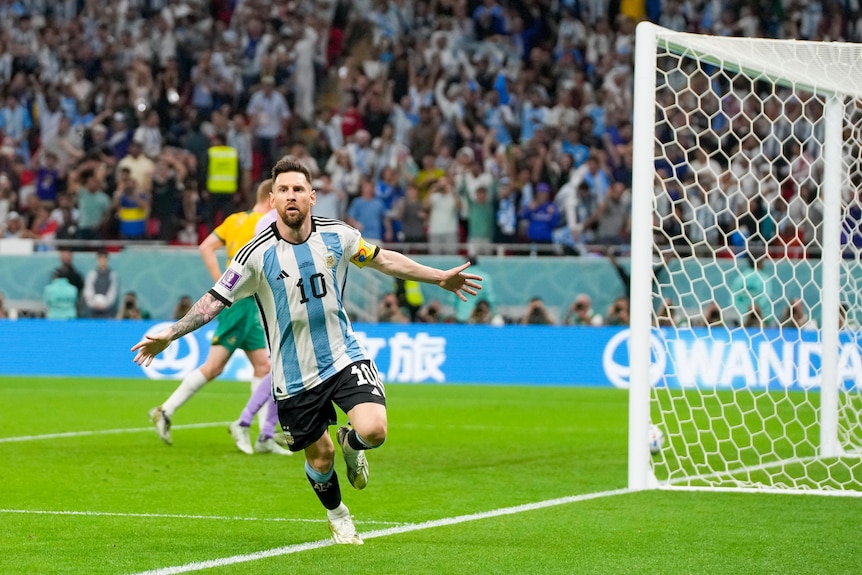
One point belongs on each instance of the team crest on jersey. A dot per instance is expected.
(229, 279)
(330, 260)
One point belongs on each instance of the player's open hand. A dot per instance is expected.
(151, 346)
(460, 283)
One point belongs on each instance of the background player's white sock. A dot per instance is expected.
(190, 384)
(255, 381)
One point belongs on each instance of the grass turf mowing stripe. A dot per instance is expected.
(291, 549)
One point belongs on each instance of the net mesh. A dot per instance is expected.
(737, 229)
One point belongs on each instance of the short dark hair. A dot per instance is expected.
(285, 165)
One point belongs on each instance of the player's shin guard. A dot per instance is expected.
(325, 485)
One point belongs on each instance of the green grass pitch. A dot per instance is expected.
(472, 479)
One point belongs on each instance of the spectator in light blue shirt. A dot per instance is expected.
(368, 214)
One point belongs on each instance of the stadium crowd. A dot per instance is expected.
(435, 121)
(430, 123)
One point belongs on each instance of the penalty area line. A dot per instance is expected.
(410, 527)
(108, 432)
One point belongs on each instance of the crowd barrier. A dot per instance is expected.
(447, 353)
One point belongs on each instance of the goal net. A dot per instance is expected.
(746, 277)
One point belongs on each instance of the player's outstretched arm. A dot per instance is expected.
(454, 280)
(201, 313)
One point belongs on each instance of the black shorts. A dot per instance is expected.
(305, 417)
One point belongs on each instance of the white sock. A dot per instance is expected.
(189, 386)
(338, 512)
(255, 381)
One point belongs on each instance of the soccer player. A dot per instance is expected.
(238, 328)
(296, 271)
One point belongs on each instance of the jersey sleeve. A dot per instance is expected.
(237, 282)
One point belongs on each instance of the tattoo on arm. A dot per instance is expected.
(204, 310)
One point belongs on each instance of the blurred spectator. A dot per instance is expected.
(362, 155)
(168, 177)
(368, 214)
(541, 216)
(432, 313)
(481, 224)
(15, 124)
(132, 206)
(581, 312)
(191, 216)
(343, 174)
(149, 135)
(612, 217)
(67, 270)
(796, 316)
(140, 166)
(60, 297)
(299, 152)
(101, 287)
(48, 178)
(14, 226)
(66, 146)
(711, 317)
(330, 202)
(409, 294)
(443, 207)
(184, 304)
(618, 313)
(537, 313)
(66, 216)
(4, 313)
(506, 213)
(270, 118)
(483, 315)
(665, 316)
(42, 227)
(222, 170)
(130, 309)
(412, 216)
(752, 291)
(390, 311)
(239, 138)
(463, 309)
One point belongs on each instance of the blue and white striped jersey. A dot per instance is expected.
(299, 288)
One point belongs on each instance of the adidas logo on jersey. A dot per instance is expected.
(283, 275)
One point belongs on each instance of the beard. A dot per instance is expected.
(293, 219)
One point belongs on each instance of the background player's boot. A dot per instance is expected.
(269, 445)
(241, 437)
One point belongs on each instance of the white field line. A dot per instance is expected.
(181, 516)
(291, 549)
(108, 432)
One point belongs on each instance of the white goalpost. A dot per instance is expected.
(746, 293)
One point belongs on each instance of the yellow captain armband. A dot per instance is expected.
(364, 254)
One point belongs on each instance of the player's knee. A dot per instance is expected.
(374, 434)
(211, 371)
(262, 368)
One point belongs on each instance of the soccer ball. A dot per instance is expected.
(656, 439)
